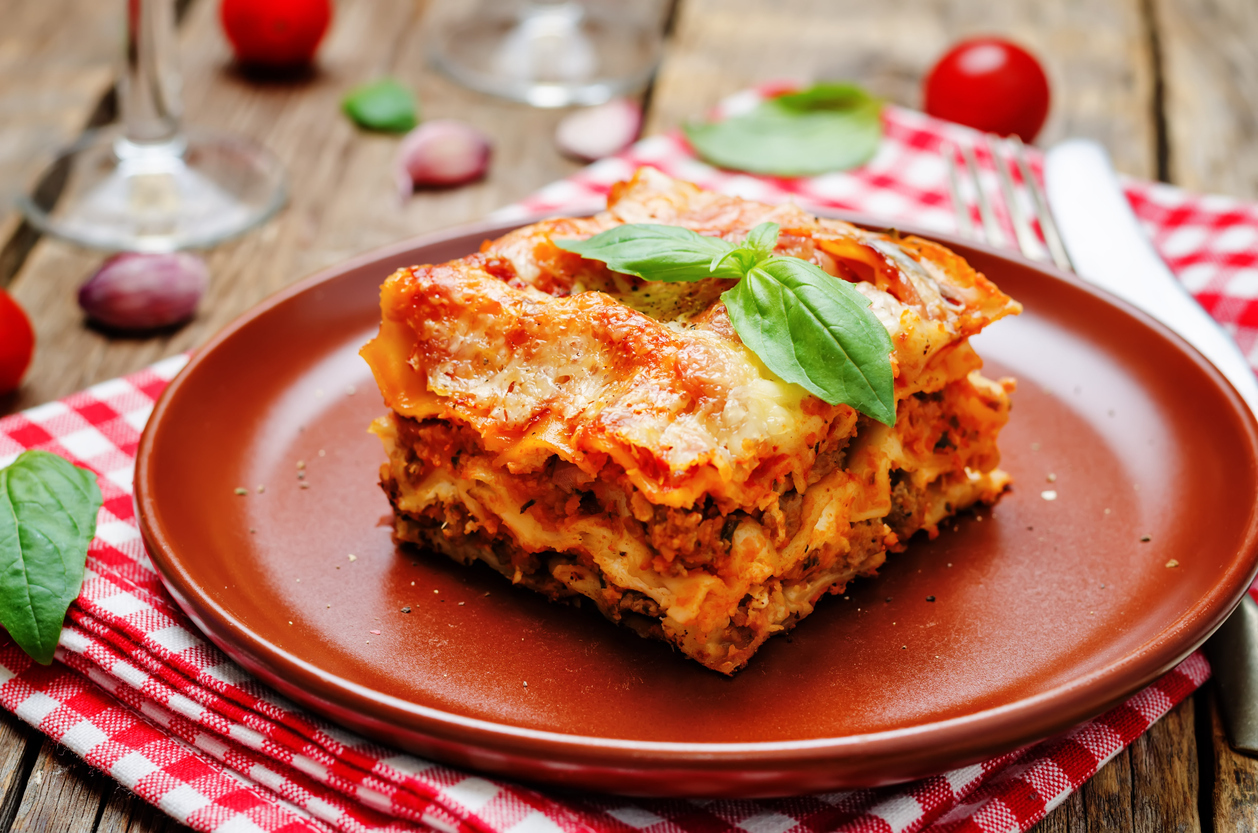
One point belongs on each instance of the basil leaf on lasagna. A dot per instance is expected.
(762, 239)
(657, 252)
(758, 246)
(816, 331)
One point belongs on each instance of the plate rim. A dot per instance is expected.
(1009, 720)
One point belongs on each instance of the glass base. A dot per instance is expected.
(193, 191)
(548, 54)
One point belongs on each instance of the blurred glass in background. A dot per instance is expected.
(548, 53)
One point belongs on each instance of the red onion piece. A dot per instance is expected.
(133, 291)
(441, 152)
(596, 132)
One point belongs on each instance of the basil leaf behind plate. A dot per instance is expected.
(656, 252)
(48, 512)
(816, 331)
(830, 127)
(382, 105)
(827, 95)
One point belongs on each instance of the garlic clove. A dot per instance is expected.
(596, 132)
(441, 153)
(132, 291)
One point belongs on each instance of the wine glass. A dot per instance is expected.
(548, 53)
(148, 185)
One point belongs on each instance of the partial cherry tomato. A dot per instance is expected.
(275, 33)
(989, 84)
(17, 342)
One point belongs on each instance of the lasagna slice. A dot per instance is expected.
(595, 436)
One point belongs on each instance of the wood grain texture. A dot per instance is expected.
(1106, 798)
(124, 812)
(1096, 55)
(1234, 798)
(50, 79)
(17, 746)
(58, 796)
(1211, 76)
(1103, 803)
(1164, 774)
(1152, 785)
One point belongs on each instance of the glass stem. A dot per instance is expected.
(149, 88)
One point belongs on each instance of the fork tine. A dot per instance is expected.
(965, 225)
(1042, 211)
(991, 227)
(1021, 228)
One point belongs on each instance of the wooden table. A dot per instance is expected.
(1170, 86)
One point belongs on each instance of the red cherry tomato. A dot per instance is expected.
(17, 342)
(275, 33)
(989, 84)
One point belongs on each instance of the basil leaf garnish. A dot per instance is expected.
(47, 518)
(762, 239)
(816, 331)
(828, 127)
(758, 245)
(382, 105)
(657, 252)
(808, 327)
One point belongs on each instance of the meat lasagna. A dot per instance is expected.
(595, 436)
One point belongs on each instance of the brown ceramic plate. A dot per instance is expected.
(1045, 612)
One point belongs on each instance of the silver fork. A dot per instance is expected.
(1006, 155)
(1233, 649)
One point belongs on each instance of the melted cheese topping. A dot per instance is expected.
(498, 342)
(683, 411)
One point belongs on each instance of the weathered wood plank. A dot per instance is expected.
(1164, 774)
(1106, 797)
(62, 794)
(1235, 794)
(1066, 818)
(17, 741)
(52, 74)
(56, 58)
(126, 813)
(1211, 77)
(1096, 55)
(1152, 785)
(1103, 804)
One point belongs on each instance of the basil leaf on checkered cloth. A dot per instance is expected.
(828, 127)
(807, 326)
(47, 518)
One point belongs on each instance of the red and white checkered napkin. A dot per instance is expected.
(139, 693)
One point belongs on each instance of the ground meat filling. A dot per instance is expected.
(907, 508)
(939, 428)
